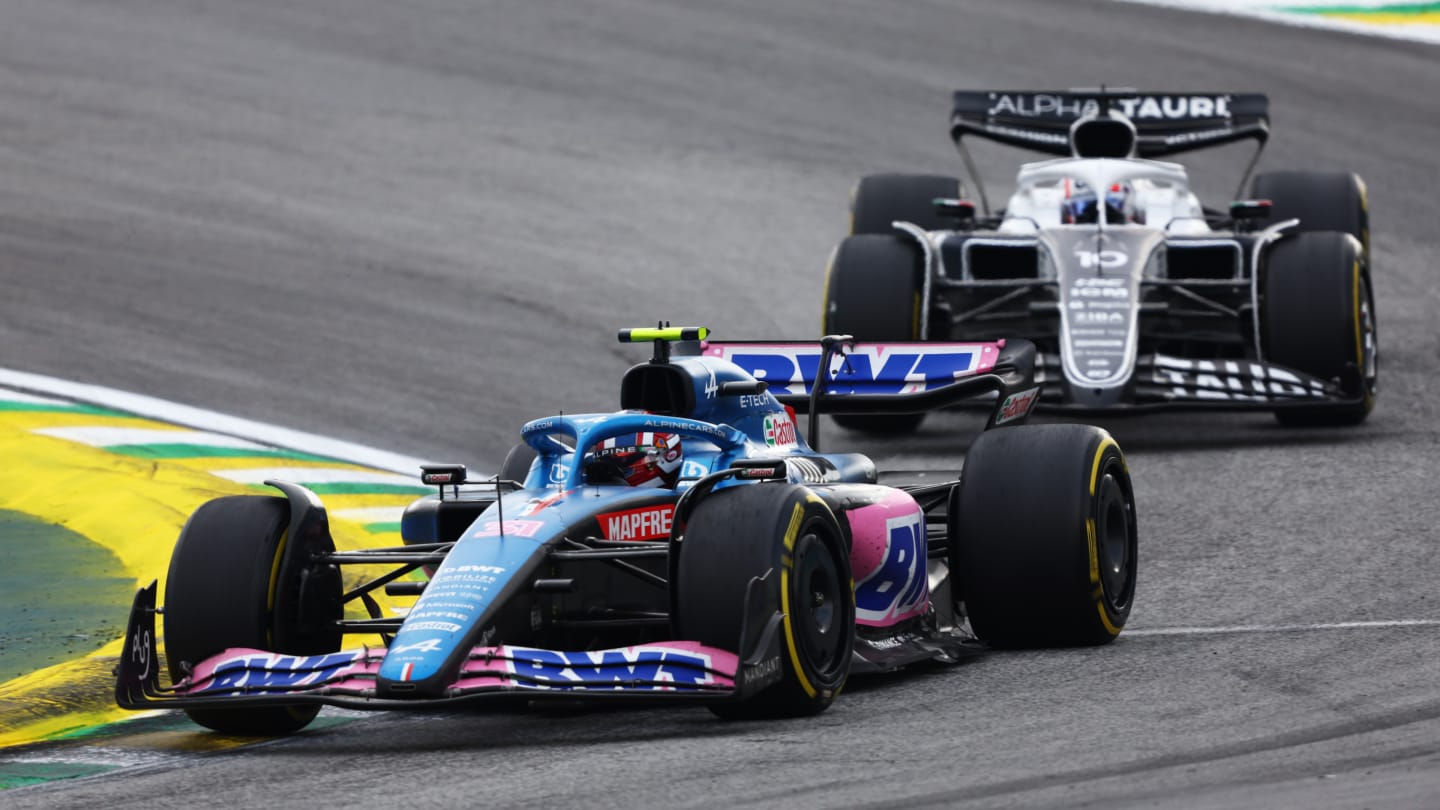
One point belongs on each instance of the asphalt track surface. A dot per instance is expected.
(417, 225)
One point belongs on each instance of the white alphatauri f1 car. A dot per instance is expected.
(1136, 295)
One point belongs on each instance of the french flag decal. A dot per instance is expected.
(405, 672)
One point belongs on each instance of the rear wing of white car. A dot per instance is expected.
(1165, 123)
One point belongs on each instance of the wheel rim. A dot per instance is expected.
(818, 608)
(1114, 541)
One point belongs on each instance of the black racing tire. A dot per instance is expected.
(516, 466)
(872, 292)
(225, 589)
(1322, 201)
(878, 200)
(787, 535)
(1043, 538)
(1318, 316)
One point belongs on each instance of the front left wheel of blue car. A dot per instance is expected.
(765, 556)
(228, 587)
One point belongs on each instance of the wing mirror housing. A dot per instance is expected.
(1247, 213)
(443, 475)
(962, 211)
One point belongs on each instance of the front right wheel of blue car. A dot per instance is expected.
(752, 553)
(1043, 539)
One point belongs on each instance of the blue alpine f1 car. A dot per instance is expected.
(693, 546)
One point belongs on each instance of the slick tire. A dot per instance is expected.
(872, 292)
(225, 589)
(516, 466)
(879, 200)
(786, 537)
(1318, 316)
(1043, 540)
(1322, 201)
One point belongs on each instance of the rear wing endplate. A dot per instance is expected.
(888, 378)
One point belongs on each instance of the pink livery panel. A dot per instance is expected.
(888, 558)
(666, 666)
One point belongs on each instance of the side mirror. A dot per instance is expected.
(443, 475)
(1248, 212)
(757, 469)
(963, 211)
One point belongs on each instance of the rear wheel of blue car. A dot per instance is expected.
(1043, 540)
(764, 566)
(872, 293)
(1318, 316)
(227, 587)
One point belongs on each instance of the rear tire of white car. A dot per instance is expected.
(1318, 317)
(880, 199)
(1043, 539)
(517, 463)
(872, 292)
(1322, 201)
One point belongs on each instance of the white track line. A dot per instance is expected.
(314, 475)
(201, 419)
(370, 514)
(1281, 628)
(7, 395)
(110, 756)
(119, 437)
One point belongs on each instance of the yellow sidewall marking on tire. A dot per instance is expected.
(1090, 538)
(1106, 442)
(792, 533)
(274, 578)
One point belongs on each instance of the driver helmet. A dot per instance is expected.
(644, 459)
(1079, 205)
